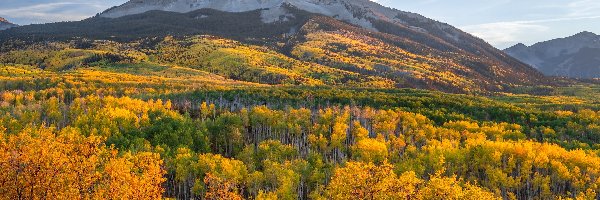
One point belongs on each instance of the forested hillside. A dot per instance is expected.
(305, 47)
(102, 119)
(284, 99)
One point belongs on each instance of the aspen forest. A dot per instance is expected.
(210, 118)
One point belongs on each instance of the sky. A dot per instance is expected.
(502, 23)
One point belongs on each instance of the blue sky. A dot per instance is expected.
(500, 22)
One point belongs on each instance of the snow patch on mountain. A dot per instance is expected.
(358, 12)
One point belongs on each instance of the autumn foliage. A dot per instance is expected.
(47, 164)
(166, 119)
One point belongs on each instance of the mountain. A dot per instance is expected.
(5, 24)
(577, 56)
(270, 10)
(376, 43)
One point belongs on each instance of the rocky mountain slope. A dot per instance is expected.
(358, 37)
(577, 56)
(5, 24)
(359, 12)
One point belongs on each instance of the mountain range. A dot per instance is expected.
(577, 56)
(5, 24)
(359, 37)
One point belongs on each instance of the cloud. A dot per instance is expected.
(583, 8)
(504, 34)
(53, 11)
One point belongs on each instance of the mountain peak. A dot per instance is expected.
(585, 34)
(4, 20)
(518, 46)
(574, 56)
(5, 24)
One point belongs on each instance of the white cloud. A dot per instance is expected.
(583, 8)
(53, 12)
(504, 33)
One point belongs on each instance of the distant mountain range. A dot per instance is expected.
(5, 24)
(577, 56)
(355, 36)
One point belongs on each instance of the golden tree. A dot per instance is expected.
(42, 163)
(368, 181)
(219, 188)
